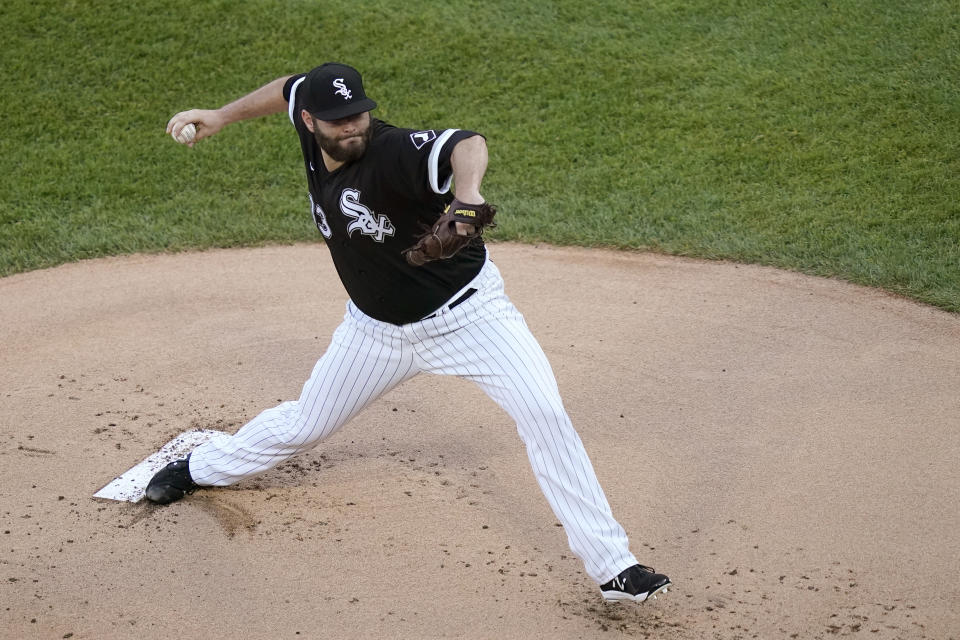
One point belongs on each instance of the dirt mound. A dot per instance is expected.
(784, 447)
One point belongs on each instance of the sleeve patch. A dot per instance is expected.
(421, 138)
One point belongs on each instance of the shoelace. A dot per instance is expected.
(620, 583)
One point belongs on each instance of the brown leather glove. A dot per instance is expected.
(444, 240)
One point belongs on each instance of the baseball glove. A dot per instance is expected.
(444, 239)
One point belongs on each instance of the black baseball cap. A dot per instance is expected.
(333, 91)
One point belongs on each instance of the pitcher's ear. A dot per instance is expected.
(307, 119)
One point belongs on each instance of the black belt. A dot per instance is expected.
(463, 298)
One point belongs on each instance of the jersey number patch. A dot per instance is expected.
(320, 218)
(364, 220)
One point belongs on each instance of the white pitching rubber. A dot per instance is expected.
(131, 486)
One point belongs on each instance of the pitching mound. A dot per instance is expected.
(785, 448)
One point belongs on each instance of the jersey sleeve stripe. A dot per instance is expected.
(293, 100)
(433, 163)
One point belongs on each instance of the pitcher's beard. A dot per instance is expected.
(344, 153)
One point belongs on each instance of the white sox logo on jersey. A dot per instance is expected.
(365, 221)
(342, 89)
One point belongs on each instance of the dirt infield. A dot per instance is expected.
(786, 448)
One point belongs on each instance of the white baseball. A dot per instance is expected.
(187, 134)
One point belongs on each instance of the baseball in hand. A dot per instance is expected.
(187, 134)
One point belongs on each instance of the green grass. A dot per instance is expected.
(815, 136)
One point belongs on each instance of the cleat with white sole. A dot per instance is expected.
(636, 583)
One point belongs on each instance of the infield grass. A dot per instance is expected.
(815, 136)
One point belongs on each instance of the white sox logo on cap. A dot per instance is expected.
(333, 91)
(342, 89)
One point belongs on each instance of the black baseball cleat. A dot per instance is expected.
(171, 483)
(637, 583)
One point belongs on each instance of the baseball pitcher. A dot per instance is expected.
(402, 213)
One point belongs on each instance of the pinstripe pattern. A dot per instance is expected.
(485, 340)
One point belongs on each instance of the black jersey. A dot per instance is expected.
(370, 210)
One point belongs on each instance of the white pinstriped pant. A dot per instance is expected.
(484, 339)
